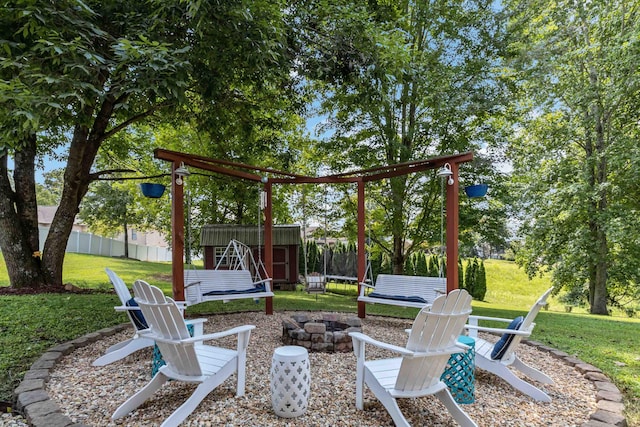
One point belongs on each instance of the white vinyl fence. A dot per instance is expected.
(87, 243)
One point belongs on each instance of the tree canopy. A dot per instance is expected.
(403, 81)
(76, 74)
(575, 148)
(550, 89)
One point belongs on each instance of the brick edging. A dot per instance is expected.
(31, 397)
(610, 406)
(33, 401)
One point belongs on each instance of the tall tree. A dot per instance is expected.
(402, 81)
(576, 147)
(75, 74)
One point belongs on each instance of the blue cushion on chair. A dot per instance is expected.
(413, 298)
(136, 315)
(505, 340)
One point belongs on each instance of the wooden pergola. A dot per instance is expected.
(269, 177)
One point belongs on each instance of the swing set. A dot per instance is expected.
(268, 177)
(316, 281)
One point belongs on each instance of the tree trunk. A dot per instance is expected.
(398, 256)
(19, 237)
(126, 237)
(601, 250)
(398, 232)
(82, 153)
(599, 297)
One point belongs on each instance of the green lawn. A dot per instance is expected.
(31, 324)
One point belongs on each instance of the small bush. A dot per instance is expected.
(475, 279)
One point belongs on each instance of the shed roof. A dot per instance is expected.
(222, 234)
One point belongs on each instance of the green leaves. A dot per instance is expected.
(575, 127)
(403, 82)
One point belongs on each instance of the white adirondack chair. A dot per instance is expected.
(432, 339)
(507, 356)
(204, 364)
(133, 344)
(136, 342)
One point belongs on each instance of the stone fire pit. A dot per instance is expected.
(326, 333)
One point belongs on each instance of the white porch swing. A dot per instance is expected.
(243, 276)
(411, 291)
(316, 282)
(239, 256)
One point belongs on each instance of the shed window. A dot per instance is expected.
(221, 258)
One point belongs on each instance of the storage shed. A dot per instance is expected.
(214, 239)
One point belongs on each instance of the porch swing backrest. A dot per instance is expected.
(223, 285)
(405, 291)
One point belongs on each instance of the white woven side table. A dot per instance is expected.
(290, 381)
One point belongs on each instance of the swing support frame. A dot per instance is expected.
(268, 177)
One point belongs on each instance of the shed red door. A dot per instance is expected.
(281, 264)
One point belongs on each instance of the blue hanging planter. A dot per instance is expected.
(152, 190)
(478, 190)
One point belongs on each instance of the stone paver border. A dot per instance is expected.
(34, 402)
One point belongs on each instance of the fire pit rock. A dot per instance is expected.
(328, 333)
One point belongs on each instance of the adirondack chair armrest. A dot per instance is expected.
(233, 331)
(473, 320)
(524, 333)
(367, 339)
(461, 346)
(126, 308)
(197, 321)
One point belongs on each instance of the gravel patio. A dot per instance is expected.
(89, 395)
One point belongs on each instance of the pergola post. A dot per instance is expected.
(452, 229)
(177, 236)
(268, 243)
(361, 246)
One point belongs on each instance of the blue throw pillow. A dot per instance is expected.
(505, 340)
(136, 315)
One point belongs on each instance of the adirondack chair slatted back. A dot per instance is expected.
(123, 293)
(527, 324)
(119, 286)
(434, 330)
(165, 320)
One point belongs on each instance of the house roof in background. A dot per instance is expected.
(46, 214)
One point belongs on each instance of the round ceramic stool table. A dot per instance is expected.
(290, 381)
